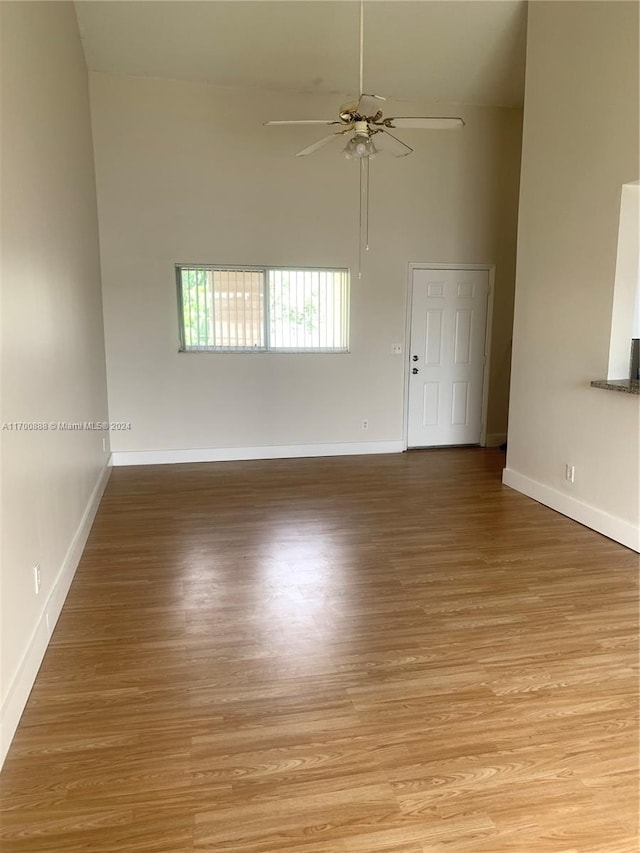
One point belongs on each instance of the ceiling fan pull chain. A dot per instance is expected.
(366, 213)
(362, 159)
(363, 225)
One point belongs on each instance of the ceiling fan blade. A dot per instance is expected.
(386, 141)
(369, 105)
(304, 121)
(319, 144)
(425, 122)
(349, 107)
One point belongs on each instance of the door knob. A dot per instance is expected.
(415, 370)
(415, 358)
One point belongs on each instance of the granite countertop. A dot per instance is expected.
(627, 386)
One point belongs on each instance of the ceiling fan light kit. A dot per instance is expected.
(364, 120)
(360, 145)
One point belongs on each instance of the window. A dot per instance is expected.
(259, 309)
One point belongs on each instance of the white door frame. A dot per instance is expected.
(489, 268)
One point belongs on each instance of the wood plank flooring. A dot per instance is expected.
(391, 654)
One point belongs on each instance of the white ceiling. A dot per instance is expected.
(449, 51)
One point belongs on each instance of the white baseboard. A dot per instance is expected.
(612, 526)
(232, 454)
(495, 439)
(20, 687)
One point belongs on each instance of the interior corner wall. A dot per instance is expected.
(53, 364)
(580, 145)
(186, 172)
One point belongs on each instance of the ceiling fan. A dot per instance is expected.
(364, 119)
(369, 133)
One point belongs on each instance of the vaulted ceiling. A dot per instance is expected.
(447, 51)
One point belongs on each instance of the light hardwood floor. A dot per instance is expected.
(390, 654)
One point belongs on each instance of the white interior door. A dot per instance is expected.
(447, 355)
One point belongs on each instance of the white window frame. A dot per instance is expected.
(267, 348)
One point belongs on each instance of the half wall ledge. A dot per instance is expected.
(627, 386)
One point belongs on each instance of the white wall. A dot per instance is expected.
(625, 312)
(53, 366)
(186, 172)
(580, 145)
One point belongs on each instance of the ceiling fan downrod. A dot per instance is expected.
(362, 134)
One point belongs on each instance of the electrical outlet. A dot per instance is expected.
(365, 424)
(570, 473)
(36, 577)
(396, 349)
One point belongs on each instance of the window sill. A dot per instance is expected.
(627, 386)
